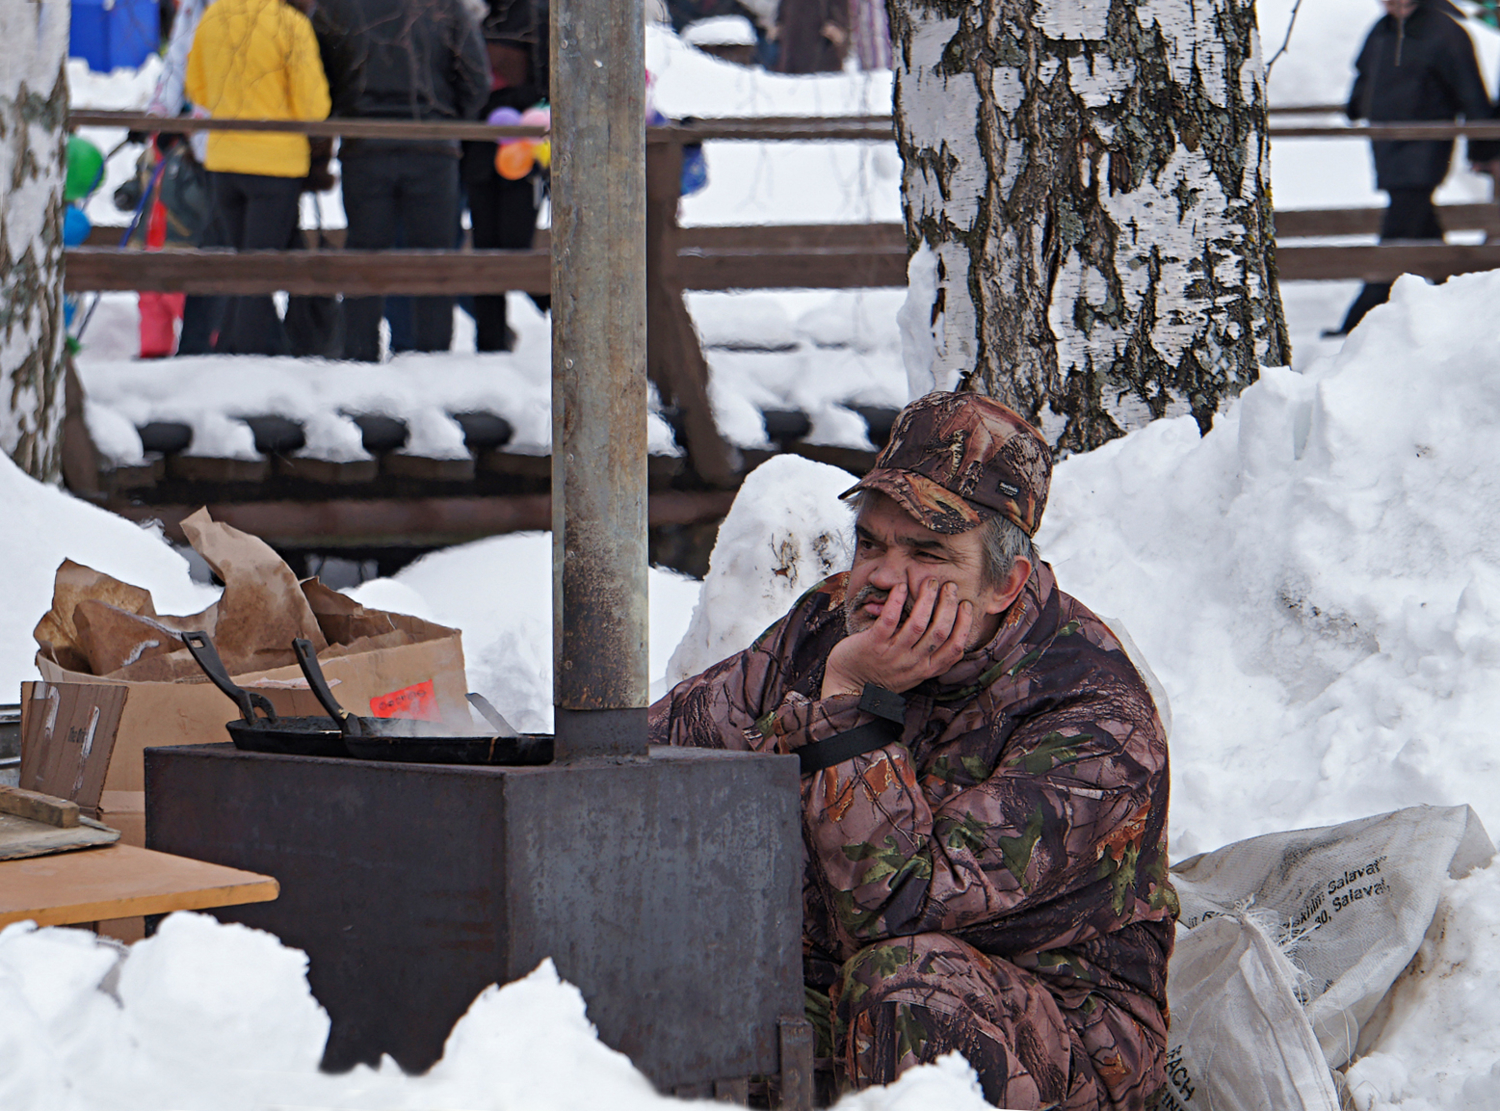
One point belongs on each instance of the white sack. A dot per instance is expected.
(1355, 900)
(1239, 1040)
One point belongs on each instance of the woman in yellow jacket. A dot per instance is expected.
(256, 59)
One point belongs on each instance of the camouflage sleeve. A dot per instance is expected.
(1066, 808)
(720, 707)
(737, 702)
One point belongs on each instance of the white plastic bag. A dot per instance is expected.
(1349, 905)
(1239, 1039)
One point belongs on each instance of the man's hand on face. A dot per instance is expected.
(897, 654)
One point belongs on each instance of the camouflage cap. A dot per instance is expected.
(955, 460)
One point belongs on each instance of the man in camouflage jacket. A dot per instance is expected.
(984, 784)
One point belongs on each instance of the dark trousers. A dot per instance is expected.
(384, 190)
(203, 313)
(256, 213)
(502, 215)
(1410, 215)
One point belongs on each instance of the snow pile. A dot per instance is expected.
(44, 526)
(208, 1017)
(499, 592)
(1316, 581)
(786, 532)
(1438, 1050)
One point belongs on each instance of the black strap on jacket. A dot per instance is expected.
(846, 746)
(886, 705)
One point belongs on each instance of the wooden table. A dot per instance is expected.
(120, 881)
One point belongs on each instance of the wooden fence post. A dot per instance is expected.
(674, 359)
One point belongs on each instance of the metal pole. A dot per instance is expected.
(599, 377)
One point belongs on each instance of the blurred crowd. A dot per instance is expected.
(458, 60)
(410, 60)
(421, 60)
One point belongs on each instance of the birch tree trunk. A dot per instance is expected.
(33, 111)
(1087, 194)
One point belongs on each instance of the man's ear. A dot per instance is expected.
(1001, 597)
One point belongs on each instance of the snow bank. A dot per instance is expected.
(44, 526)
(499, 592)
(209, 1017)
(786, 532)
(1317, 581)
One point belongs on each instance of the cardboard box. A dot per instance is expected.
(117, 679)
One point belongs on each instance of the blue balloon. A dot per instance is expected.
(76, 226)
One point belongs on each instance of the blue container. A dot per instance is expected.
(109, 34)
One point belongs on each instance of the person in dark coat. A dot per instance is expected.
(984, 785)
(1417, 64)
(813, 35)
(402, 60)
(502, 213)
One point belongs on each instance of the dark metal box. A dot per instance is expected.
(667, 888)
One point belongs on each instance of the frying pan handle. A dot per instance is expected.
(492, 715)
(349, 725)
(207, 656)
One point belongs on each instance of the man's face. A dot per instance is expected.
(893, 547)
(1400, 8)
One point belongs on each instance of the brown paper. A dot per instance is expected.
(262, 609)
(76, 583)
(385, 663)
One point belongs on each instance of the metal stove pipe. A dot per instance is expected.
(599, 377)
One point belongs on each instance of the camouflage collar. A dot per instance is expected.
(1013, 648)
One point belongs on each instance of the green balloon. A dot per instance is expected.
(85, 168)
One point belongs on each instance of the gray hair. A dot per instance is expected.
(1000, 539)
(1003, 543)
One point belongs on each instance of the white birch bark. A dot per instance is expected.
(33, 111)
(1087, 192)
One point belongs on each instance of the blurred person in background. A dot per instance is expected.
(256, 59)
(402, 60)
(1417, 64)
(201, 314)
(813, 35)
(870, 34)
(762, 15)
(503, 212)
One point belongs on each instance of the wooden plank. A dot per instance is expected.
(1290, 223)
(1383, 263)
(827, 268)
(204, 468)
(674, 356)
(1296, 222)
(1386, 132)
(752, 128)
(428, 470)
(37, 807)
(21, 838)
(879, 262)
(325, 472)
(724, 129)
(409, 522)
(793, 237)
(347, 128)
(120, 881)
(355, 273)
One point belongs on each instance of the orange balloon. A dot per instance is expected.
(514, 160)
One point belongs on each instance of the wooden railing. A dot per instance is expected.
(718, 258)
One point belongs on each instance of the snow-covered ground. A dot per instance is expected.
(1316, 584)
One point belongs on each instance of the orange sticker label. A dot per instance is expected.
(418, 701)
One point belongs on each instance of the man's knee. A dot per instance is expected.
(908, 1001)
